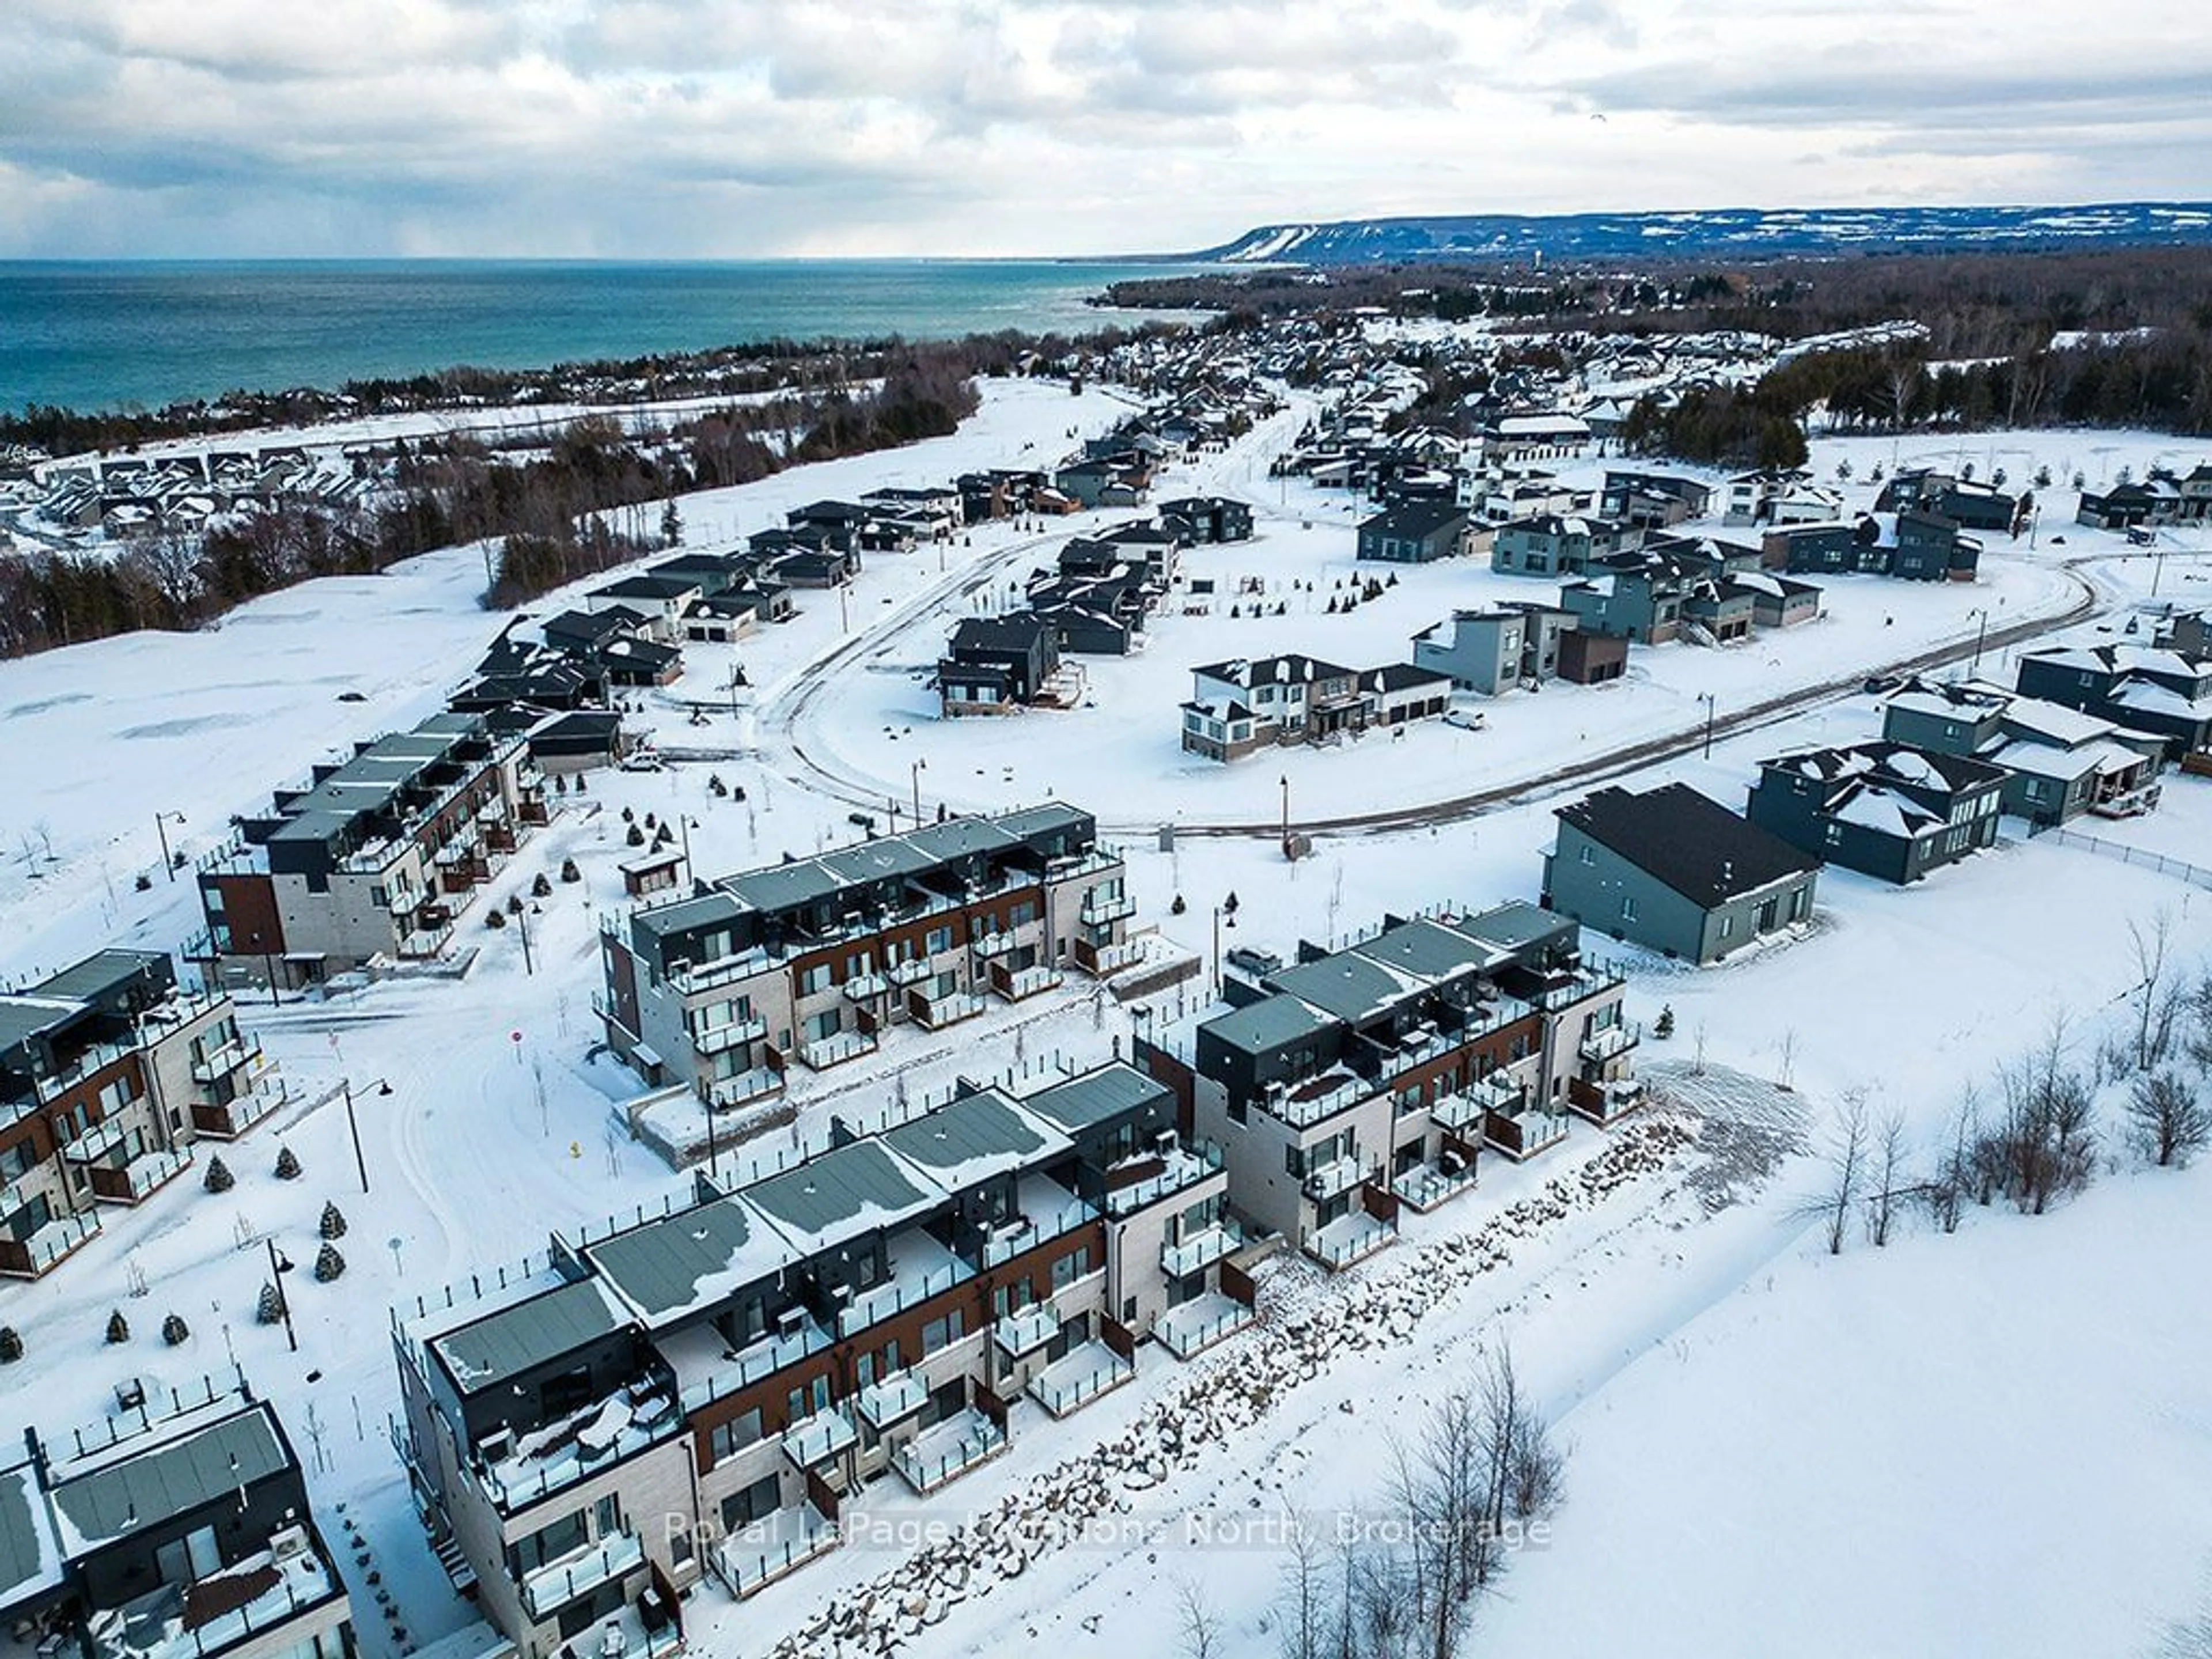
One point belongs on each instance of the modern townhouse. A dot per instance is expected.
(1359, 1079)
(2058, 762)
(700, 1394)
(372, 856)
(723, 987)
(1883, 809)
(1499, 648)
(1414, 532)
(1652, 500)
(177, 1528)
(109, 1072)
(1912, 545)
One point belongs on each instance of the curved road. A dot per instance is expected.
(783, 712)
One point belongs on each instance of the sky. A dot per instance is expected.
(756, 128)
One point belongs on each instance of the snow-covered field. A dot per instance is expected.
(1772, 1451)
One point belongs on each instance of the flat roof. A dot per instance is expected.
(684, 1262)
(30, 1553)
(1351, 987)
(505, 1344)
(781, 886)
(1431, 952)
(1267, 1023)
(851, 1189)
(973, 1138)
(1082, 1103)
(97, 975)
(172, 1474)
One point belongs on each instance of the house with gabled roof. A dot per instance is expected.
(1675, 871)
(1883, 809)
(2058, 762)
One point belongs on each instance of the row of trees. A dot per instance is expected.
(2038, 1144)
(547, 514)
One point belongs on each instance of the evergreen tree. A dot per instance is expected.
(288, 1165)
(11, 1344)
(269, 1310)
(333, 1224)
(329, 1264)
(118, 1327)
(569, 873)
(218, 1178)
(174, 1331)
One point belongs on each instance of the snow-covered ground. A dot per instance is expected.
(1772, 1451)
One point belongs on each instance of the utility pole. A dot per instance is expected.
(522, 923)
(1706, 698)
(1287, 814)
(1981, 635)
(353, 1128)
(915, 772)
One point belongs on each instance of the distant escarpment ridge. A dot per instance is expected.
(1737, 232)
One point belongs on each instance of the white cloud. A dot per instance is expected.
(701, 127)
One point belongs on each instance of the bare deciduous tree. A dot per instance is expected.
(2169, 1121)
(1847, 1153)
(1888, 1171)
(1201, 1627)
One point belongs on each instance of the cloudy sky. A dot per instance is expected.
(679, 128)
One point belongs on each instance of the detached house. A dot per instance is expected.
(1251, 703)
(2057, 761)
(1417, 533)
(2166, 693)
(1550, 545)
(1496, 649)
(996, 665)
(1204, 519)
(1675, 871)
(1883, 809)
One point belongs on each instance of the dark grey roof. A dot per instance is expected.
(691, 1260)
(30, 1555)
(966, 1138)
(852, 1190)
(1043, 819)
(1418, 520)
(1513, 924)
(172, 1475)
(781, 886)
(1083, 1102)
(1019, 632)
(515, 1340)
(1431, 952)
(97, 975)
(1267, 1024)
(1351, 987)
(702, 910)
(25, 1017)
(957, 838)
(1687, 841)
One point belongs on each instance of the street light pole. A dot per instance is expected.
(1981, 635)
(1706, 698)
(283, 1300)
(161, 829)
(1287, 814)
(915, 772)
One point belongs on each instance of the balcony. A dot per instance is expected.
(691, 981)
(866, 988)
(835, 1049)
(1031, 1231)
(229, 1119)
(555, 1585)
(1523, 1134)
(911, 972)
(757, 1555)
(1427, 1185)
(1463, 1111)
(909, 1289)
(1198, 1323)
(1105, 961)
(1021, 1334)
(758, 1083)
(140, 1177)
(990, 946)
(94, 1143)
(98, 1055)
(1019, 985)
(1069, 1384)
(1349, 1238)
(813, 1441)
(893, 1400)
(219, 1063)
(937, 1012)
(1337, 1177)
(28, 1258)
(1180, 1169)
(1202, 1249)
(1608, 1042)
(734, 1034)
(942, 1453)
(1103, 910)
